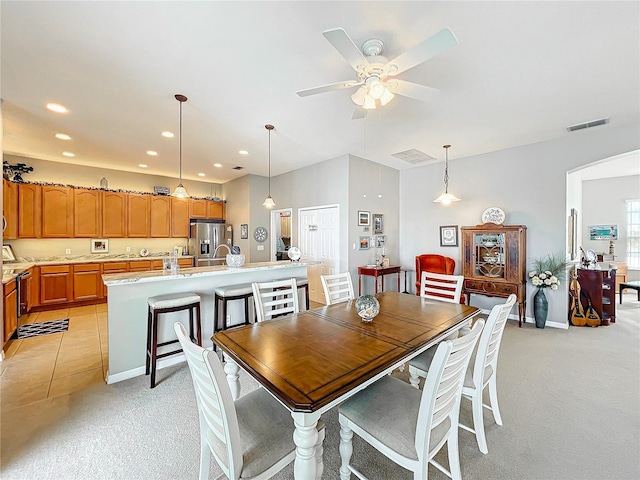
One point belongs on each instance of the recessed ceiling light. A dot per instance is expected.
(56, 107)
(152, 153)
(201, 174)
(142, 165)
(217, 165)
(68, 154)
(243, 152)
(63, 136)
(168, 134)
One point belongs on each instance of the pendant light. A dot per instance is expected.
(446, 198)
(268, 202)
(180, 191)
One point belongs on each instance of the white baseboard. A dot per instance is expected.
(136, 372)
(514, 316)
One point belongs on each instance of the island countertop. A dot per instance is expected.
(158, 276)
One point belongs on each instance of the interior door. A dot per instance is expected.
(319, 240)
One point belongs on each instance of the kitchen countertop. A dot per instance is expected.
(11, 270)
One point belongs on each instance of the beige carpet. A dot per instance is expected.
(569, 399)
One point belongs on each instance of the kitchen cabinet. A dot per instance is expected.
(216, 210)
(114, 214)
(10, 209)
(140, 265)
(10, 314)
(111, 267)
(494, 262)
(57, 212)
(86, 213)
(179, 217)
(160, 216)
(33, 286)
(197, 208)
(185, 262)
(87, 281)
(56, 284)
(29, 210)
(138, 215)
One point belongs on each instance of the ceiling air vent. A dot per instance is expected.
(238, 167)
(413, 156)
(593, 123)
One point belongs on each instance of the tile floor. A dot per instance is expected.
(47, 366)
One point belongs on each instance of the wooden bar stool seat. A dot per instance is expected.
(162, 304)
(227, 294)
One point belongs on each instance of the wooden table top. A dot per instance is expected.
(309, 359)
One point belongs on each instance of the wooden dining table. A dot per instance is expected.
(316, 359)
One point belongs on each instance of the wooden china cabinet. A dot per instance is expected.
(494, 262)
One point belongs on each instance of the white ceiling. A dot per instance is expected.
(521, 73)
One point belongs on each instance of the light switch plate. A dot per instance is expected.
(260, 247)
(67, 251)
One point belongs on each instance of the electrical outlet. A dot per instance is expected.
(67, 251)
(128, 249)
(260, 247)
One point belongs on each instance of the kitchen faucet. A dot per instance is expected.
(215, 252)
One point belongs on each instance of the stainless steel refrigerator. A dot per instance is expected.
(209, 242)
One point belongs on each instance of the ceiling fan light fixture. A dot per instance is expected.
(268, 202)
(376, 88)
(359, 96)
(369, 103)
(180, 191)
(386, 97)
(446, 198)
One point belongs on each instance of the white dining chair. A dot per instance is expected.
(279, 297)
(444, 288)
(337, 288)
(406, 425)
(481, 372)
(251, 438)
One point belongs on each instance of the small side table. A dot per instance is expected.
(377, 272)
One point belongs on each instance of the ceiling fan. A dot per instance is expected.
(376, 74)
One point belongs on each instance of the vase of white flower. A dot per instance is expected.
(546, 273)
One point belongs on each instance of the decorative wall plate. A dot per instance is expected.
(260, 234)
(294, 254)
(144, 252)
(493, 215)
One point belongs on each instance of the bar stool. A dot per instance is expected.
(161, 304)
(227, 294)
(303, 282)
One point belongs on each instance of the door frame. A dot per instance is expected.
(274, 218)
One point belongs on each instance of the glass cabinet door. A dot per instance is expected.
(489, 254)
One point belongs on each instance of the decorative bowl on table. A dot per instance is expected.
(235, 260)
(367, 307)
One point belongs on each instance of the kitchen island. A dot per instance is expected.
(127, 307)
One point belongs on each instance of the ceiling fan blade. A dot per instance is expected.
(345, 47)
(328, 88)
(428, 48)
(411, 90)
(359, 113)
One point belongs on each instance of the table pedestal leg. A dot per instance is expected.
(232, 370)
(306, 465)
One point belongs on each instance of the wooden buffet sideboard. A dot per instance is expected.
(494, 262)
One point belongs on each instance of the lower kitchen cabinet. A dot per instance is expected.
(10, 314)
(56, 284)
(87, 282)
(112, 267)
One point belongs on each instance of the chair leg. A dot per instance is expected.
(148, 351)
(154, 348)
(414, 378)
(205, 458)
(246, 310)
(478, 422)
(453, 453)
(346, 448)
(198, 325)
(306, 295)
(493, 399)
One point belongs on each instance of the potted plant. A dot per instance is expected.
(546, 272)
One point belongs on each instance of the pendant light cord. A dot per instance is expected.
(270, 162)
(446, 168)
(180, 142)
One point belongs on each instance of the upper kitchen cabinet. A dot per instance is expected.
(57, 212)
(29, 210)
(86, 218)
(197, 208)
(114, 214)
(179, 217)
(10, 208)
(138, 215)
(160, 216)
(216, 210)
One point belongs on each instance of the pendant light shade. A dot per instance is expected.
(180, 191)
(268, 202)
(446, 198)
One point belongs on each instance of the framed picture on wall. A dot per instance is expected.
(449, 236)
(364, 218)
(99, 245)
(381, 241)
(244, 231)
(364, 243)
(377, 223)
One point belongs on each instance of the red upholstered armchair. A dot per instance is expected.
(434, 264)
